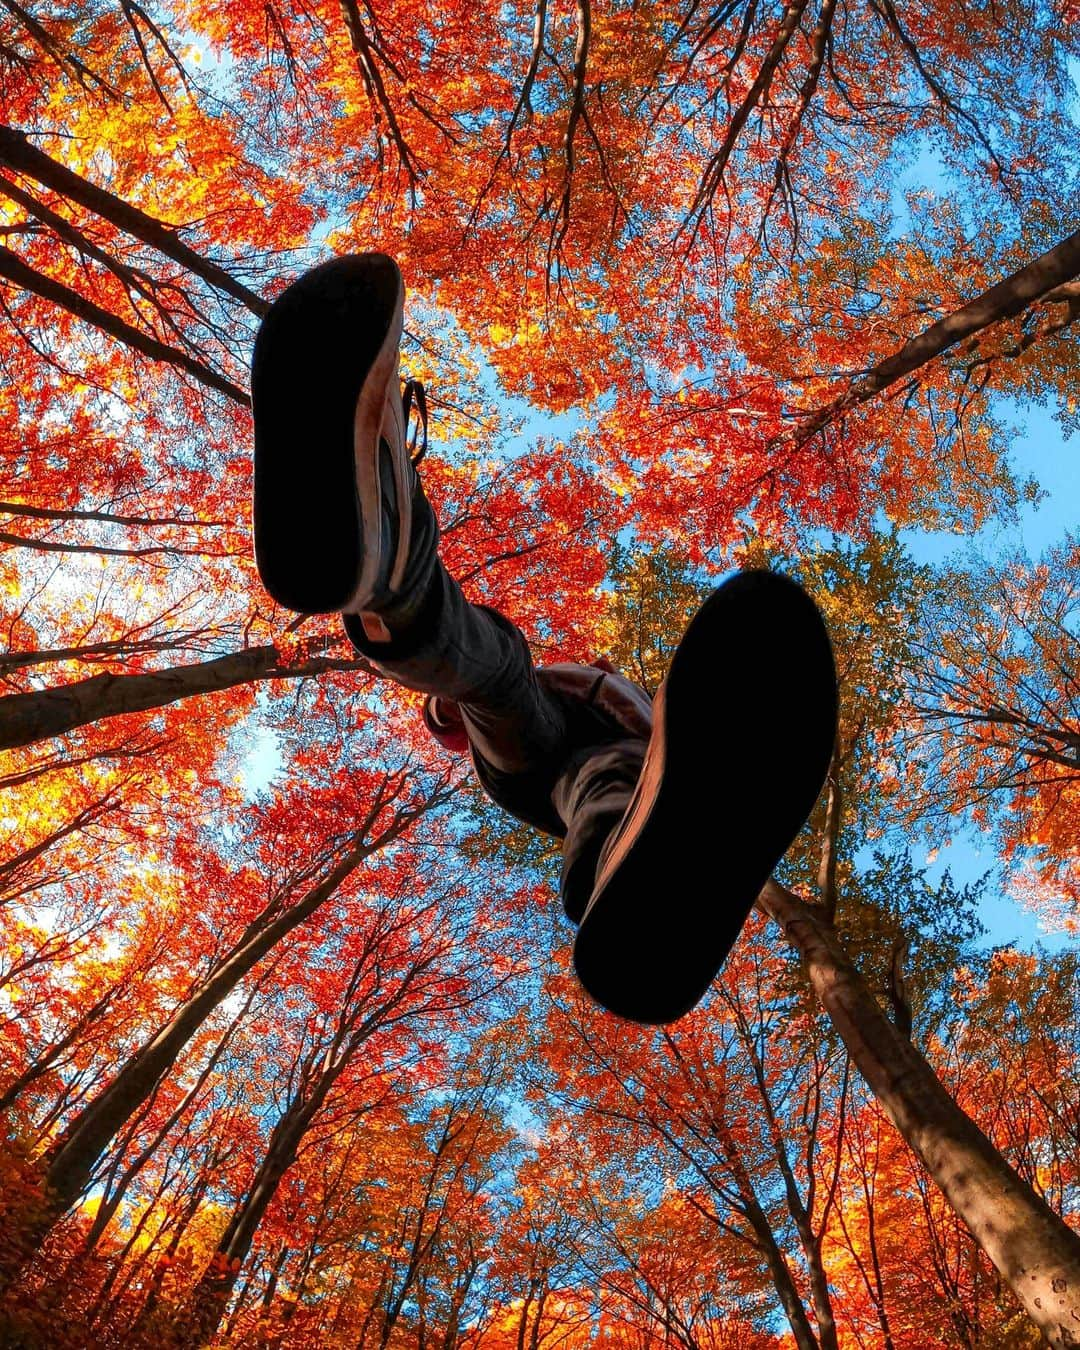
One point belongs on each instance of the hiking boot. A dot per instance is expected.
(341, 520)
(743, 732)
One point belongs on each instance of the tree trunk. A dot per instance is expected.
(1003, 301)
(1037, 1254)
(811, 1241)
(783, 1282)
(117, 1188)
(161, 1267)
(25, 718)
(211, 1294)
(19, 153)
(89, 1134)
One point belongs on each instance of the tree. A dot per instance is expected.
(396, 982)
(72, 1157)
(1037, 1254)
(774, 268)
(995, 694)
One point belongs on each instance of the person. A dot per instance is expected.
(673, 812)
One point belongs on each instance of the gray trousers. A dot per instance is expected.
(554, 760)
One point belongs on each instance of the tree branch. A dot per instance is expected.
(18, 272)
(1032, 283)
(17, 152)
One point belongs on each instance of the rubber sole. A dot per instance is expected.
(743, 735)
(322, 359)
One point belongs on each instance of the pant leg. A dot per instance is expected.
(478, 658)
(551, 759)
(591, 795)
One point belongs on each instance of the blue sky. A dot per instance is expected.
(1041, 451)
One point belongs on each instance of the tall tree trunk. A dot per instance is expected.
(72, 1161)
(117, 1187)
(800, 1214)
(1008, 298)
(211, 1294)
(89, 1134)
(106, 1318)
(288, 1312)
(25, 718)
(1037, 1254)
(783, 1282)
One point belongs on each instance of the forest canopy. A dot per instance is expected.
(291, 1054)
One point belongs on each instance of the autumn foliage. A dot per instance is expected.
(290, 1050)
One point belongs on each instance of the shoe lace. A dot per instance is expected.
(414, 399)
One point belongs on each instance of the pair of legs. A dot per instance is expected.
(560, 762)
(671, 822)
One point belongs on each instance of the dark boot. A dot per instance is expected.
(743, 732)
(341, 520)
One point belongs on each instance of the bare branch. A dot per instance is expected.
(15, 270)
(376, 89)
(17, 152)
(713, 177)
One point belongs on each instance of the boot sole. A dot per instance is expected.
(744, 727)
(323, 356)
